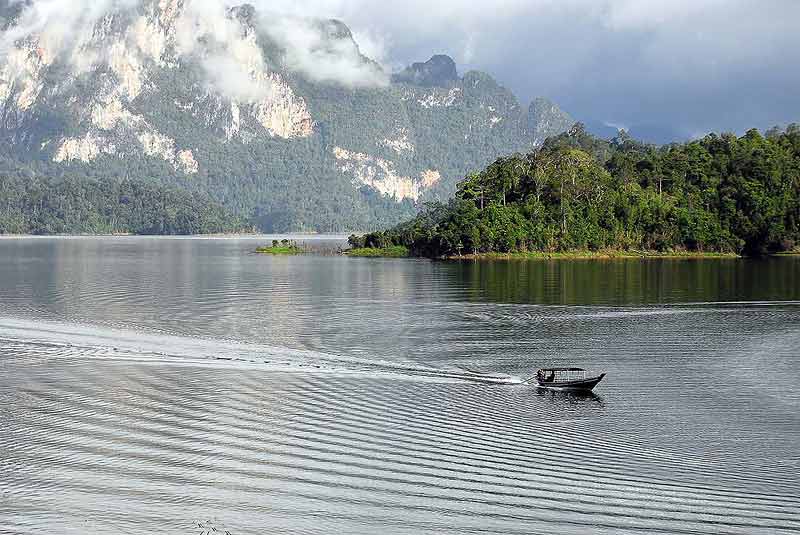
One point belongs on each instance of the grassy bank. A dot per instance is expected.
(397, 251)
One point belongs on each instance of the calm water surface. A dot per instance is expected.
(152, 385)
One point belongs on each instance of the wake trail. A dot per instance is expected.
(72, 341)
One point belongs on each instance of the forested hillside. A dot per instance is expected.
(301, 136)
(721, 193)
(30, 204)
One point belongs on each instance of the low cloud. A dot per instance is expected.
(58, 24)
(231, 79)
(232, 61)
(311, 46)
(315, 48)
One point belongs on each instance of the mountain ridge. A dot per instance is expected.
(284, 121)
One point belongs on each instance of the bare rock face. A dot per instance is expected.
(268, 115)
(383, 176)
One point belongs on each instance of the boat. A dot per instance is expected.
(566, 378)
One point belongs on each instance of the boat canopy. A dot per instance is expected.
(559, 375)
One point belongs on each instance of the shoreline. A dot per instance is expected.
(401, 252)
(595, 255)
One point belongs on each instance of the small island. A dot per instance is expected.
(282, 247)
(579, 196)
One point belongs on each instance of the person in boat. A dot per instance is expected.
(540, 375)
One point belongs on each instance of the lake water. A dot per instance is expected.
(154, 385)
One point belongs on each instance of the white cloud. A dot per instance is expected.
(232, 60)
(373, 45)
(58, 23)
(312, 50)
(299, 28)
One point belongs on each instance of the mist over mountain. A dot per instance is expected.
(280, 119)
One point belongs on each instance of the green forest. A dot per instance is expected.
(721, 193)
(30, 204)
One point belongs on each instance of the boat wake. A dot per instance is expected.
(49, 340)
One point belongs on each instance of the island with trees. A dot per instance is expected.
(282, 247)
(578, 195)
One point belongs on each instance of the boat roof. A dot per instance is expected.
(562, 370)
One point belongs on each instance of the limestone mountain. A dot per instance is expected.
(281, 120)
(439, 71)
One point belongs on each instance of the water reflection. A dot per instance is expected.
(189, 380)
(570, 396)
(630, 281)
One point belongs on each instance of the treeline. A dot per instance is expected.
(35, 205)
(722, 193)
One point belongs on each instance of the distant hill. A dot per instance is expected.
(282, 121)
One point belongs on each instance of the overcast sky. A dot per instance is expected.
(686, 66)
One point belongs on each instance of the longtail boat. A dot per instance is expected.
(566, 378)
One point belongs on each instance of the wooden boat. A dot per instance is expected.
(566, 378)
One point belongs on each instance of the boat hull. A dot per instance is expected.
(580, 384)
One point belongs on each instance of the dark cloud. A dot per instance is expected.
(683, 67)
